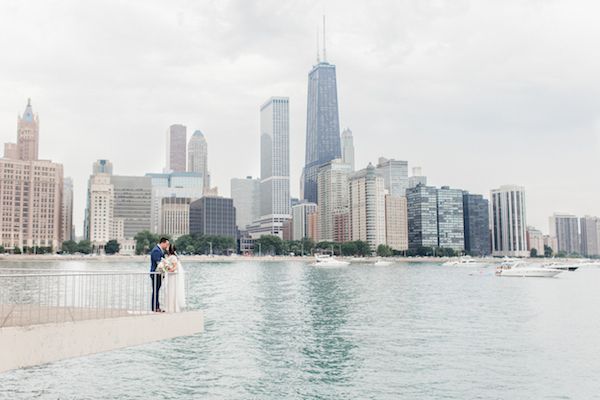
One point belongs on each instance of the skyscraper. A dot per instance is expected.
(535, 240)
(198, 157)
(395, 175)
(246, 200)
(333, 201)
(417, 178)
(509, 222)
(31, 192)
(28, 126)
(132, 203)
(275, 206)
(451, 228)
(590, 236)
(100, 222)
(477, 224)
(176, 143)
(176, 184)
(322, 123)
(102, 167)
(566, 229)
(348, 148)
(67, 210)
(213, 216)
(301, 220)
(396, 222)
(422, 217)
(367, 207)
(175, 216)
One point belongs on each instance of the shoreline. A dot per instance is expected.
(236, 258)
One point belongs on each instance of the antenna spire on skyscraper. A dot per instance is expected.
(324, 41)
(318, 50)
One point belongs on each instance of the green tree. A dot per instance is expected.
(384, 251)
(145, 241)
(2, 249)
(112, 247)
(17, 250)
(561, 254)
(349, 249)
(269, 244)
(306, 246)
(548, 251)
(186, 244)
(69, 247)
(533, 253)
(84, 247)
(362, 248)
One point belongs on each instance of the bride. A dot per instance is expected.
(173, 281)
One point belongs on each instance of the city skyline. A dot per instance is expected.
(118, 119)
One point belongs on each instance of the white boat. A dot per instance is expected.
(328, 261)
(522, 269)
(464, 262)
(381, 262)
(562, 267)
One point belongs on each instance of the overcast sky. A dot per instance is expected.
(478, 93)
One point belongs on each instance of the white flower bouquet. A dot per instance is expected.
(168, 264)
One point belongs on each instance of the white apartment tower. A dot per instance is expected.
(508, 221)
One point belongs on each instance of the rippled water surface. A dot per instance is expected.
(415, 331)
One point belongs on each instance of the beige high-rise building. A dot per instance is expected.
(31, 192)
(176, 152)
(300, 220)
(28, 126)
(333, 201)
(67, 210)
(396, 222)
(198, 157)
(551, 242)
(175, 216)
(102, 224)
(535, 240)
(367, 207)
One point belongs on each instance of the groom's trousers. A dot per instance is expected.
(156, 282)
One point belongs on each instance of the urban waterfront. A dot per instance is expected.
(409, 330)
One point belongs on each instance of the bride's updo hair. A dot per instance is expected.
(172, 250)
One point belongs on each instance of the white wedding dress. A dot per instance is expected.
(174, 283)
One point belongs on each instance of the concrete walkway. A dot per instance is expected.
(24, 346)
(32, 314)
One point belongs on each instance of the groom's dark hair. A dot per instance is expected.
(163, 239)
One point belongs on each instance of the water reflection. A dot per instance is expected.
(328, 353)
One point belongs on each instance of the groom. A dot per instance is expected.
(156, 255)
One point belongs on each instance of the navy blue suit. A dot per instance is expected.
(155, 256)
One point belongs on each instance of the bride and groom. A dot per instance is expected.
(166, 270)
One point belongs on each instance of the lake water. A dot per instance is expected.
(406, 331)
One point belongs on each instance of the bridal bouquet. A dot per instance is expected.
(168, 264)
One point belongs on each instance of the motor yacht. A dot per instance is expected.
(328, 261)
(522, 269)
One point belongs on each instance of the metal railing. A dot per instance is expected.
(31, 297)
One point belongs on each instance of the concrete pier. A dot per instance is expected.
(24, 346)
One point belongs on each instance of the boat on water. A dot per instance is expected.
(328, 261)
(464, 262)
(562, 267)
(524, 270)
(381, 262)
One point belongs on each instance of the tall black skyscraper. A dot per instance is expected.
(322, 123)
(477, 224)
